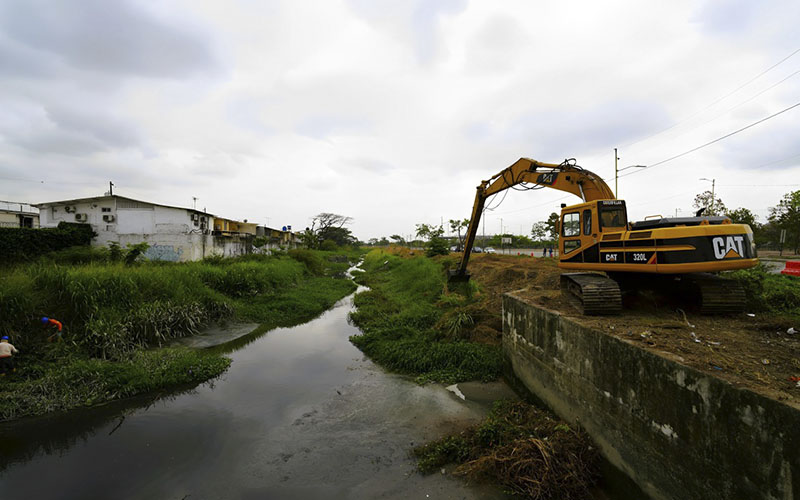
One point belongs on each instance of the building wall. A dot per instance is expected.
(171, 232)
(10, 219)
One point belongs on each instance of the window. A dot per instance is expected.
(587, 222)
(613, 217)
(106, 209)
(572, 224)
(570, 245)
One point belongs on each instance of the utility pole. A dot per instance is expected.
(110, 188)
(502, 246)
(194, 202)
(713, 183)
(484, 226)
(616, 173)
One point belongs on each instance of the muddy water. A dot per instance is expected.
(300, 414)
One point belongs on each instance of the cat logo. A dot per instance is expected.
(611, 257)
(548, 178)
(728, 247)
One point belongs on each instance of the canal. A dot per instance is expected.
(301, 413)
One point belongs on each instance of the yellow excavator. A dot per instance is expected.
(663, 254)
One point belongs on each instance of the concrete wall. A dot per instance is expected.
(677, 432)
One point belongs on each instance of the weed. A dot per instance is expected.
(114, 312)
(524, 449)
(399, 316)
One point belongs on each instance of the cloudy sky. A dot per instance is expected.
(390, 111)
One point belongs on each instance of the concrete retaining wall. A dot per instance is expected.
(677, 432)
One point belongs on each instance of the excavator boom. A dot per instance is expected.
(531, 174)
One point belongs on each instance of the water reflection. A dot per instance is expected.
(300, 414)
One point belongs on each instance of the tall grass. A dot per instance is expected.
(111, 309)
(113, 312)
(399, 318)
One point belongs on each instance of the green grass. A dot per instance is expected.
(766, 292)
(400, 318)
(114, 315)
(87, 381)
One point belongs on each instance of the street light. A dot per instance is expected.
(713, 182)
(618, 170)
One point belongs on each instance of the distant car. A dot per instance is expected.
(490, 250)
(455, 248)
(477, 250)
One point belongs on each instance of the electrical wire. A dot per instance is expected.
(748, 82)
(712, 142)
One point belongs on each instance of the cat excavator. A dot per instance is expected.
(675, 255)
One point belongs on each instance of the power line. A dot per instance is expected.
(723, 113)
(748, 82)
(714, 141)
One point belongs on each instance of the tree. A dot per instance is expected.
(786, 215)
(429, 231)
(552, 225)
(703, 200)
(328, 226)
(398, 240)
(436, 244)
(743, 216)
(457, 226)
(539, 231)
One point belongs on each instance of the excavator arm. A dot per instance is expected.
(565, 176)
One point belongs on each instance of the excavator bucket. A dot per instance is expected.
(454, 276)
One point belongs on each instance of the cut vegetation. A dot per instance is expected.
(522, 448)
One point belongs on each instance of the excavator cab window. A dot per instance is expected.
(587, 222)
(571, 224)
(613, 217)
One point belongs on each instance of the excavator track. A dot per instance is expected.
(717, 295)
(596, 295)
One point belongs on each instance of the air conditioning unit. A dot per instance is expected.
(195, 217)
(81, 217)
(108, 218)
(69, 209)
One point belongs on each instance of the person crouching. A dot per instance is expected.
(7, 351)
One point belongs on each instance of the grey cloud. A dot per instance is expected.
(371, 165)
(565, 133)
(738, 19)
(17, 60)
(107, 37)
(108, 130)
(728, 16)
(772, 148)
(323, 126)
(416, 21)
(60, 130)
(424, 22)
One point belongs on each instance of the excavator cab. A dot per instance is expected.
(583, 225)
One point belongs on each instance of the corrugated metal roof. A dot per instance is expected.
(98, 198)
(17, 207)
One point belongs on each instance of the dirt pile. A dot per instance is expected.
(758, 351)
(498, 274)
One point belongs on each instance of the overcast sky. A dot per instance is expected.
(391, 112)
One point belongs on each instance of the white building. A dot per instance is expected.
(14, 214)
(173, 233)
